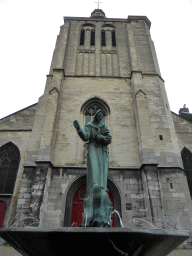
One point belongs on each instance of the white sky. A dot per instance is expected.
(28, 32)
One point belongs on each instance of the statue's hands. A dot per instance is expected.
(108, 139)
(76, 124)
(103, 140)
(96, 136)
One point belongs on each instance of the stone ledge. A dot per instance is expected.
(125, 168)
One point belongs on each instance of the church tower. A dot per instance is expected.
(109, 64)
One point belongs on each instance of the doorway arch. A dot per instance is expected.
(78, 184)
(78, 206)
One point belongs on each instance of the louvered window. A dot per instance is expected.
(103, 41)
(113, 38)
(82, 37)
(92, 43)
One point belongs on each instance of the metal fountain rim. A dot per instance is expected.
(98, 230)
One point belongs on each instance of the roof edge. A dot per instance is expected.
(181, 117)
(18, 111)
(130, 18)
(135, 18)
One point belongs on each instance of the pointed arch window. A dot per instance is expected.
(90, 107)
(9, 164)
(91, 110)
(186, 156)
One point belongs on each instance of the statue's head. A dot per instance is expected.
(98, 116)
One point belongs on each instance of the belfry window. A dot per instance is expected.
(92, 43)
(113, 38)
(82, 37)
(91, 110)
(103, 41)
(9, 164)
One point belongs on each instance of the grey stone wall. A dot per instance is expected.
(21, 120)
(17, 128)
(150, 192)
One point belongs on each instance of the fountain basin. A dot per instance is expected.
(93, 241)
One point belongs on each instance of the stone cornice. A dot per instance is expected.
(111, 168)
(136, 18)
(128, 20)
(116, 77)
(146, 74)
(59, 70)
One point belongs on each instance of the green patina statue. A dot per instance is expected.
(97, 205)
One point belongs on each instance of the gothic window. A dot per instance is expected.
(187, 163)
(9, 164)
(82, 37)
(113, 38)
(91, 110)
(108, 37)
(92, 43)
(103, 41)
(87, 118)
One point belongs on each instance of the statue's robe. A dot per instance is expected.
(98, 153)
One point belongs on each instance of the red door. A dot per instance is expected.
(2, 212)
(77, 208)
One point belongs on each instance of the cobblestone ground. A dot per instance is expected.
(9, 251)
(181, 253)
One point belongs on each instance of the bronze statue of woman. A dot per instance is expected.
(97, 205)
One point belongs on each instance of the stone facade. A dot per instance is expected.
(146, 175)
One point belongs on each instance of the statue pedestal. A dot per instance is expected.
(97, 208)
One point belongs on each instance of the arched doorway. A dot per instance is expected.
(2, 212)
(78, 203)
(71, 195)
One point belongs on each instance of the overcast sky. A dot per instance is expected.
(28, 32)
